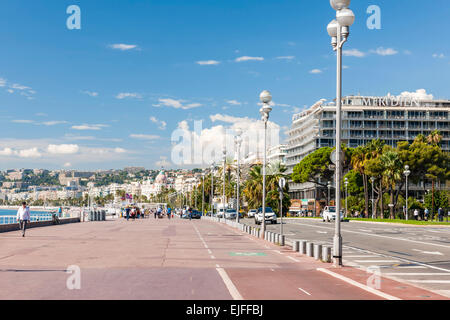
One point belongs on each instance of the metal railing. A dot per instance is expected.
(11, 219)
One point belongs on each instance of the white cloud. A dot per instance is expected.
(124, 95)
(438, 56)
(53, 123)
(63, 149)
(120, 150)
(67, 165)
(385, 52)
(285, 58)
(247, 58)
(90, 93)
(177, 104)
(89, 127)
(208, 63)
(2, 82)
(6, 152)
(315, 71)
(420, 94)
(123, 47)
(19, 87)
(144, 136)
(353, 53)
(22, 121)
(162, 124)
(234, 102)
(29, 153)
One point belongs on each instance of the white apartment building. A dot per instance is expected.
(364, 118)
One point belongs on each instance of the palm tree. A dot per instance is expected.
(434, 138)
(253, 187)
(391, 174)
(358, 163)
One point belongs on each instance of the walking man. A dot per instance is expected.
(426, 214)
(23, 216)
(169, 212)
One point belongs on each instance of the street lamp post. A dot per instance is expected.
(224, 151)
(265, 98)
(203, 192)
(372, 179)
(212, 189)
(407, 172)
(238, 141)
(339, 31)
(328, 196)
(346, 196)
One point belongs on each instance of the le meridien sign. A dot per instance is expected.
(388, 101)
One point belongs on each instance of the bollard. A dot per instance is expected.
(318, 251)
(326, 254)
(282, 238)
(295, 245)
(277, 238)
(302, 249)
(309, 249)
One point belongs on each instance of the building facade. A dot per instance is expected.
(364, 118)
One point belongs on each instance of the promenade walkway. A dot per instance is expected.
(161, 259)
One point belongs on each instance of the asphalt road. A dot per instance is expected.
(419, 255)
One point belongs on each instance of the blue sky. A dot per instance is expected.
(111, 94)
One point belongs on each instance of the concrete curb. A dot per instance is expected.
(37, 224)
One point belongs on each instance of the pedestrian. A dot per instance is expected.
(127, 211)
(159, 212)
(426, 214)
(190, 213)
(416, 214)
(169, 212)
(23, 216)
(441, 214)
(138, 213)
(154, 213)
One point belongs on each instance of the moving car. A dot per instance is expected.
(270, 216)
(251, 213)
(329, 213)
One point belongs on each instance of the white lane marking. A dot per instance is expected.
(229, 284)
(304, 291)
(289, 257)
(365, 230)
(430, 281)
(401, 259)
(272, 270)
(217, 266)
(322, 232)
(209, 251)
(412, 267)
(277, 251)
(417, 274)
(359, 285)
(376, 261)
(367, 256)
(437, 253)
(212, 257)
(379, 236)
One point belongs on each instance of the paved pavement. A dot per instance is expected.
(169, 259)
(419, 255)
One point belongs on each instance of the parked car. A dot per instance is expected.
(219, 213)
(329, 213)
(195, 215)
(251, 213)
(270, 216)
(230, 214)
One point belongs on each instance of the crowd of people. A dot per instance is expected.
(134, 212)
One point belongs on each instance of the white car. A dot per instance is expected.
(251, 213)
(270, 216)
(329, 213)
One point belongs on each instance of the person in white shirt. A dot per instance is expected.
(23, 216)
(416, 214)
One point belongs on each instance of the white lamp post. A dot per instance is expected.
(203, 192)
(212, 189)
(406, 173)
(224, 151)
(265, 98)
(329, 188)
(238, 141)
(346, 195)
(339, 31)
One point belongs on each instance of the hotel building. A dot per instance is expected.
(391, 119)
